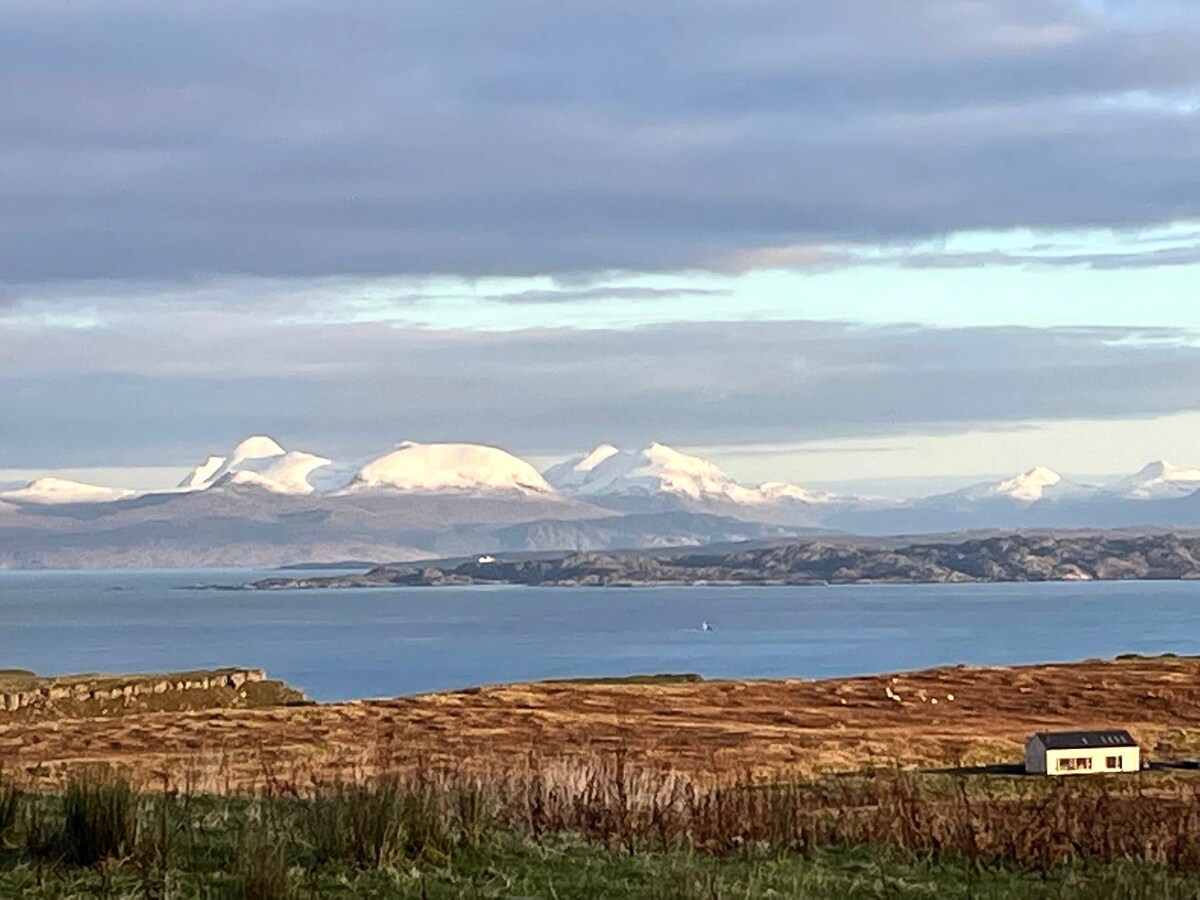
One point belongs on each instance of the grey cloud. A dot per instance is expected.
(1162, 256)
(298, 139)
(164, 394)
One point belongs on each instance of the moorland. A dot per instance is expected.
(655, 786)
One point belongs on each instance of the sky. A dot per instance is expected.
(892, 245)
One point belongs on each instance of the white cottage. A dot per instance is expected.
(1082, 753)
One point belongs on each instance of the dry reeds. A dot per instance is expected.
(10, 798)
(428, 817)
(261, 862)
(1030, 823)
(99, 820)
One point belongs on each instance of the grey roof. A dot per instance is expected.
(1085, 740)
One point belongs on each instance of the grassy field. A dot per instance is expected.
(606, 831)
(564, 869)
(943, 717)
(651, 786)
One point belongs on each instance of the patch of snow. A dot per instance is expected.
(1028, 487)
(261, 462)
(575, 471)
(257, 446)
(659, 469)
(1159, 479)
(778, 491)
(62, 490)
(286, 474)
(203, 474)
(454, 468)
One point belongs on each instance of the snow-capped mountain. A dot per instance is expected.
(659, 469)
(572, 473)
(450, 468)
(261, 462)
(262, 503)
(412, 468)
(1036, 498)
(1158, 479)
(780, 492)
(1034, 485)
(295, 472)
(661, 477)
(62, 490)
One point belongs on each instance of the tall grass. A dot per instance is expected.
(359, 825)
(375, 823)
(425, 819)
(1028, 822)
(10, 807)
(99, 820)
(261, 862)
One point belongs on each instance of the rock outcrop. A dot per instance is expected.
(1007, 558)
(25, 694)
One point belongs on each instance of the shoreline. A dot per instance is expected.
(995, 560)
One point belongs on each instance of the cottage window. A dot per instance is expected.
(1113, 762)
(1075, 764)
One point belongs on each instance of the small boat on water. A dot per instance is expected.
(704, 626)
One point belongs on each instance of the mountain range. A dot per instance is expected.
(263, 504)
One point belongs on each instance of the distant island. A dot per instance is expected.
(1009, 558)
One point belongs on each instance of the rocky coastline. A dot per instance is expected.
(26, 695)
(1011, 558)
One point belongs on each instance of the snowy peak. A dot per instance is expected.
(1159, 479)
(1160, 470)
(778, 491)
(1030, 485)
(261, 462)
(597, 456)
(62, 490)
(574, 472)
(204, 473)
(658, 470)
(257, 446)
(286, 474)
(450, 468)
(1038, 483)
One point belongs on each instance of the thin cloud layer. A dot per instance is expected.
(159, 141)
(162, 393)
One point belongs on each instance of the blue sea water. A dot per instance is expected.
(386, 642)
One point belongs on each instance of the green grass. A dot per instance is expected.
(433, 837)
(564, 868)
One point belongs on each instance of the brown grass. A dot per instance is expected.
(427, 816)
(725, 729)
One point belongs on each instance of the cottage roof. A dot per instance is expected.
(1085, 740)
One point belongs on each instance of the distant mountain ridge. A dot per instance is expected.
(262, 503)
(260, 461)
(62, 490)
(660, 477)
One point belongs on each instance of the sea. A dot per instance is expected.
(386, 642)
